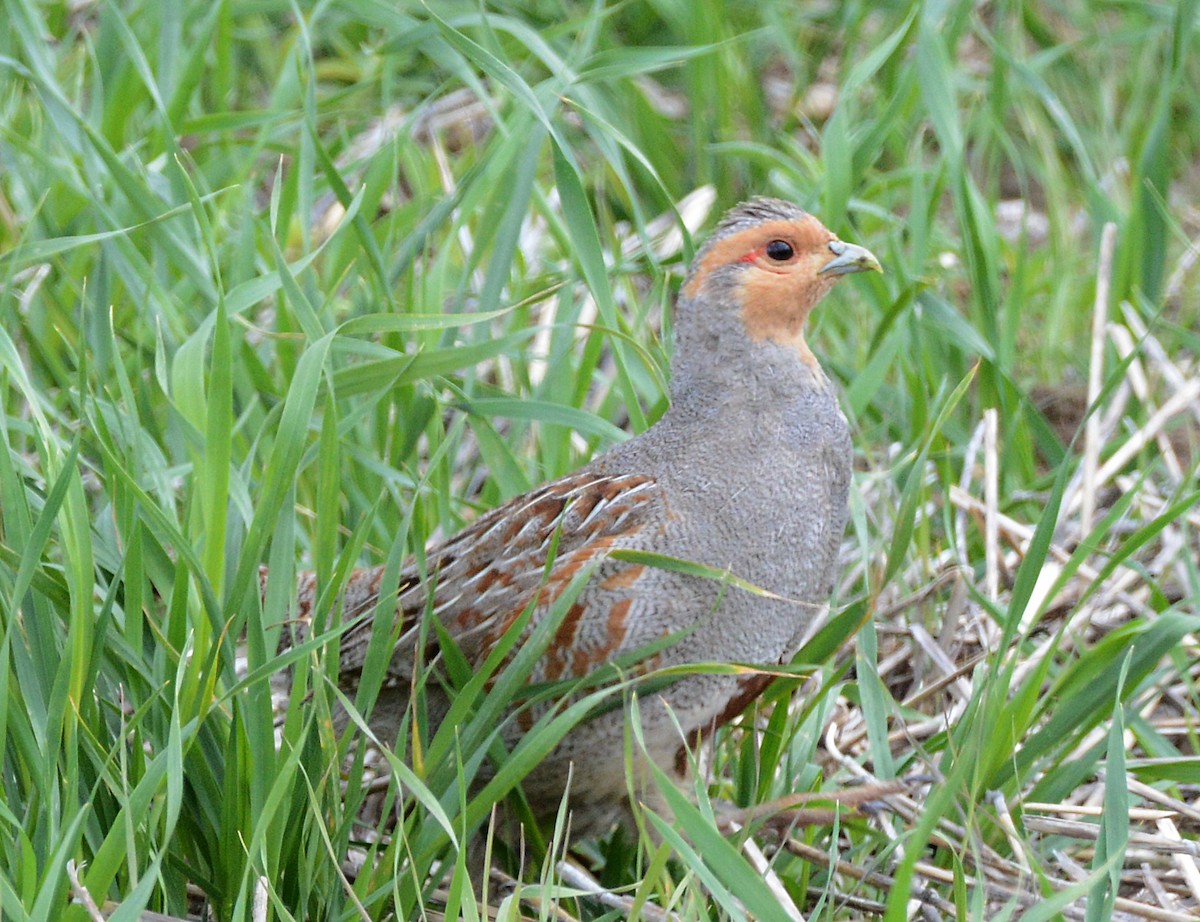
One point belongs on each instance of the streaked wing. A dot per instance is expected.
(485, 576)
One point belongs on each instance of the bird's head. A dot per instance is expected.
(769, 262)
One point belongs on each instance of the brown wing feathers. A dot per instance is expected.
(484, 577)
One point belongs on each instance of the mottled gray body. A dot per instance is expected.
(755, 475)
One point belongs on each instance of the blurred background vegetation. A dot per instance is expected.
(306, 284)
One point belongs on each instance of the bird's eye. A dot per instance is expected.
(780, 251)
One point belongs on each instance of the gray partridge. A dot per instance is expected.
(747, 474)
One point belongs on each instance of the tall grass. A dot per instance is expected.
(307, 285)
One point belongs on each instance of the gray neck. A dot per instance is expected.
(717, 365)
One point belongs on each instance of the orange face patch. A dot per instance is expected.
(750, 245)
(778, 288)
(775, 307)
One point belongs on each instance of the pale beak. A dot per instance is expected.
(849, 258)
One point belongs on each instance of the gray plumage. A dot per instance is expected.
(746, 473)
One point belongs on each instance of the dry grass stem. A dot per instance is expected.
(1091, 450)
